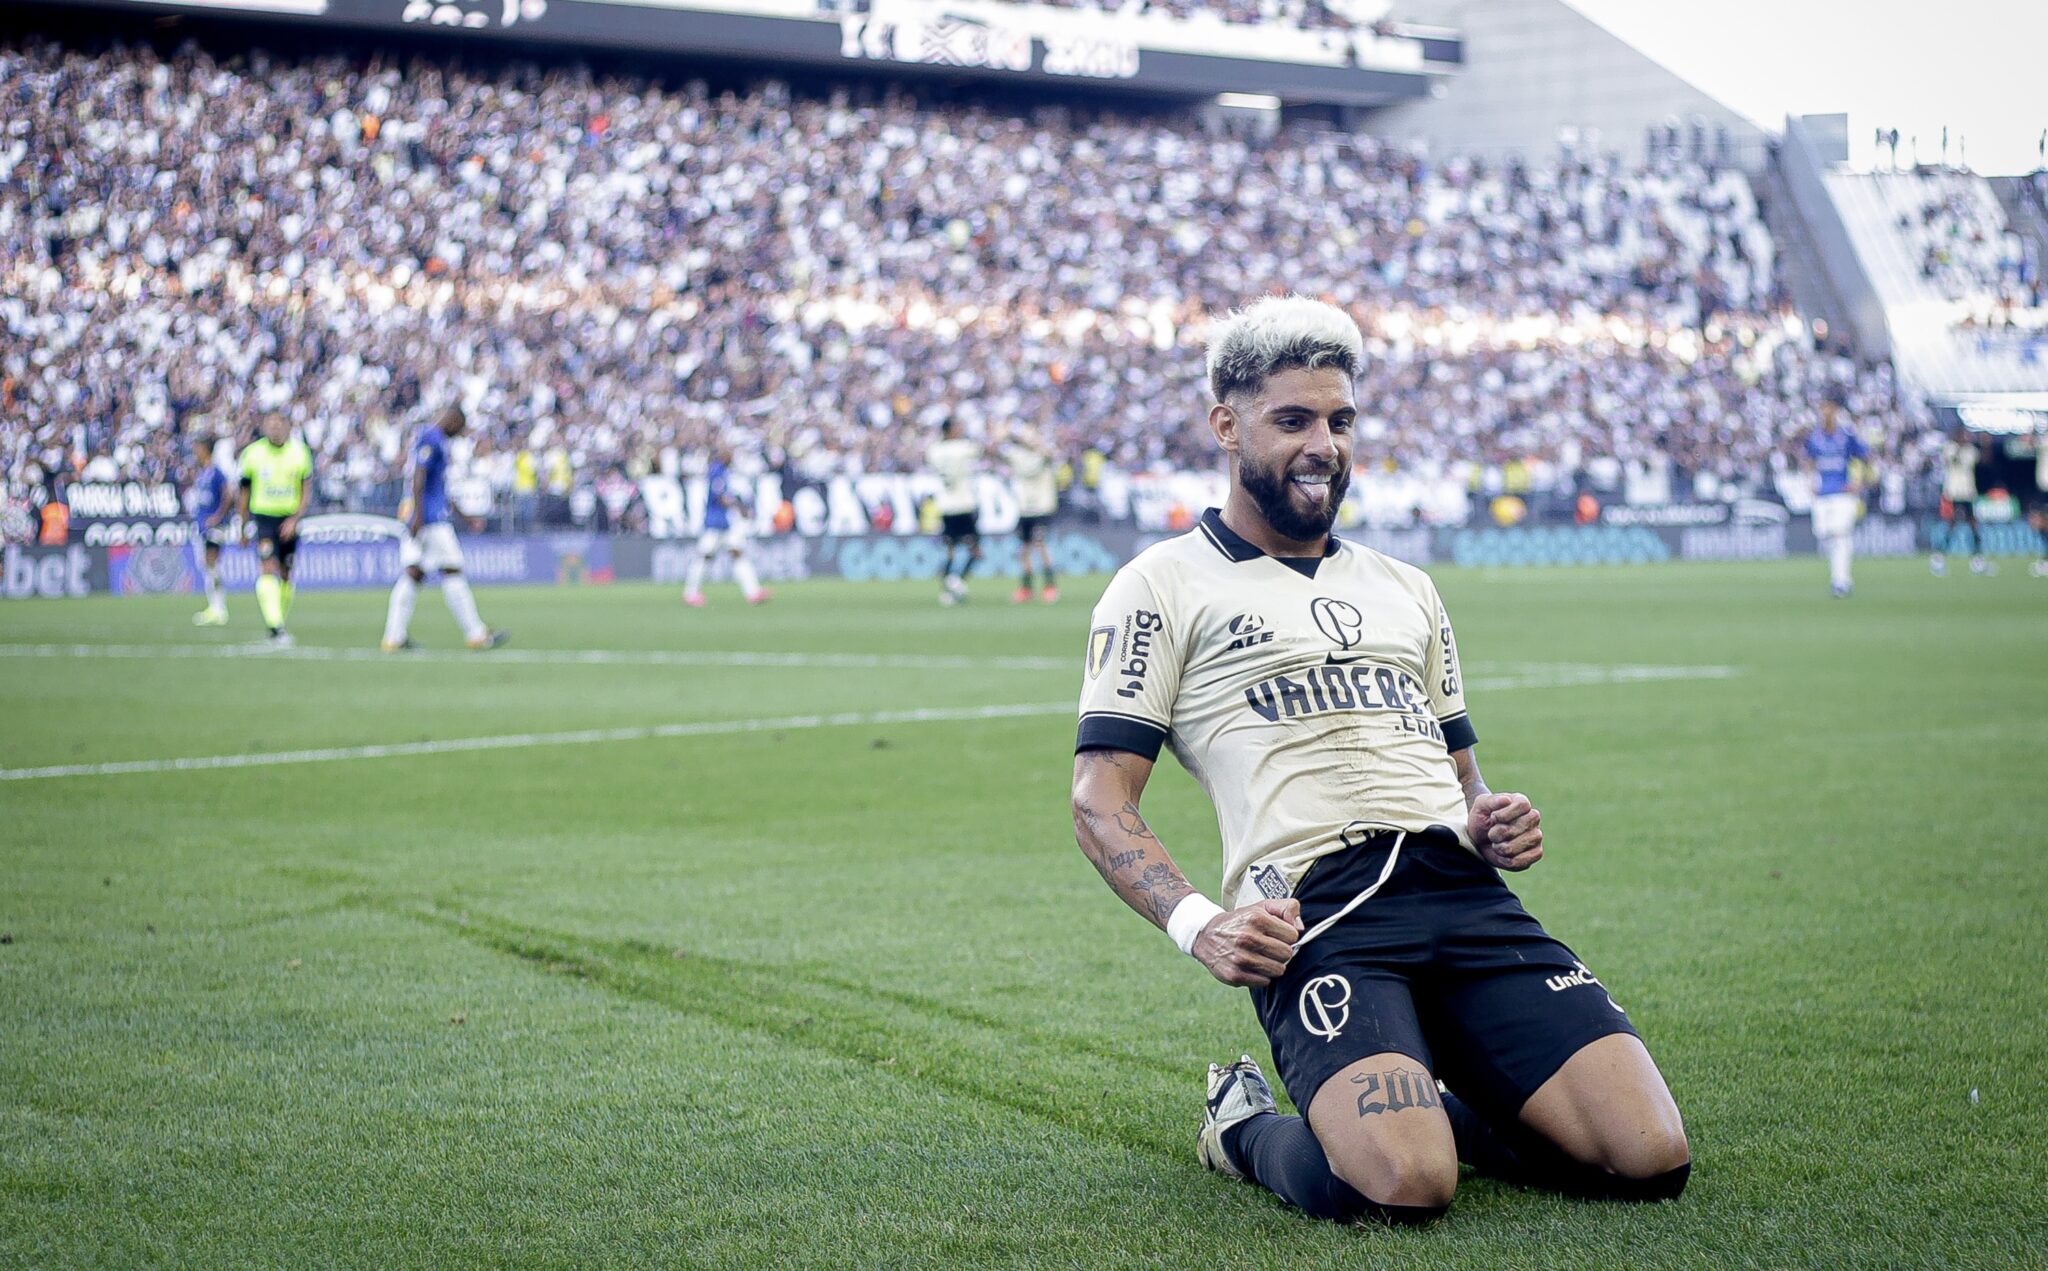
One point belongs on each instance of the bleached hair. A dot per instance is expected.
(1280, 333)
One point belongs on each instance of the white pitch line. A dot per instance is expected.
(522, 741)
(551, 657)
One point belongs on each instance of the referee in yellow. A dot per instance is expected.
(276, 468)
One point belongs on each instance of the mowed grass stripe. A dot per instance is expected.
(548, 657)
(527, 741)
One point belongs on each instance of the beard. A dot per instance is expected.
(1272, 492)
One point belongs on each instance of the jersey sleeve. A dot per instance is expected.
(1132, 671)
(1446, 682)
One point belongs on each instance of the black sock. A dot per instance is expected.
(1046, 574)
(1281, 1154)
(1516, 1154)
(1026, 584)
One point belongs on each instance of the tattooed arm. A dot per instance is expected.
(1249, 946)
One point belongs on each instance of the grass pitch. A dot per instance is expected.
(809, 979)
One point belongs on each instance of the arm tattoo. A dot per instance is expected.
(1133, 824)
(1162, 889)
(1124, 860)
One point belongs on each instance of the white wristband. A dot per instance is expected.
(1189, 917)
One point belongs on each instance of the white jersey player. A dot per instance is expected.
(1959, 458)
(1038, 497)
(955, 459)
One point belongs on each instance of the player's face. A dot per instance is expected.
(277, 430)
(1292, 442)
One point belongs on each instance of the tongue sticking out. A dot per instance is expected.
(1316, 492)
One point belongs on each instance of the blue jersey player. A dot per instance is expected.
(430, 543)
(1832, 451)
(725, 527)
(211, 508)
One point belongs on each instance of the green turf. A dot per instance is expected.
(849, 996)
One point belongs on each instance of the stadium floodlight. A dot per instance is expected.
(1248, 101)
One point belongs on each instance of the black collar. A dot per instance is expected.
(1241, 549)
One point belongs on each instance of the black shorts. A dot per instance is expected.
(1442, 965)
(271, 545)
(1032, 529)
(958, 525)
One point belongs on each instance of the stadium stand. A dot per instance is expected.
(610, 269)
(1962, 291)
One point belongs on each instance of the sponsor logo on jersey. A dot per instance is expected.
(1325, 1006)
(1139, 629)
(1246, 630)
(1337, 619)
(1345, 685)
(1444, 641)
(1101, 644)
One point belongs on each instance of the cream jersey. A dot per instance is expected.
(1958, 470)
(952, 460)
(1038, 493)
(1315, 705)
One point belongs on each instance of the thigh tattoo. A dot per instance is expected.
(1394, 1090)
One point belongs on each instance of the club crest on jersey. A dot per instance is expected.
(1246, 630)
(1338, 619)
(1272, 883)
(1101, 644)
(1325, 1006)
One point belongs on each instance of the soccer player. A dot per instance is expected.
(211, 509)
(1312, 687)
(725, 526)
(1833, 450)
(2038, 515)
(1038, 497)
(430, 544)
(954, 458)
(276, 469)
(1959, 487)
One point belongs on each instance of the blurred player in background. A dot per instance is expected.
(430, 543)
(1038, 497)
(2037, 513)
(276, 469)
(211, 509)
(954, 459)
(1833, 452)
(725, 528)
(1959, 457)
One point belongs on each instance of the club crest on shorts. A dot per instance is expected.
(1101, 645)
(1325, 1006)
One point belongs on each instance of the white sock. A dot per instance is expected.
(693, 579)
(398, 618)
(455, 588)
(1841, 549)
(215, 598)
(743, 573)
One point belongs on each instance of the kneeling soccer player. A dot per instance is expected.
(1312, 686)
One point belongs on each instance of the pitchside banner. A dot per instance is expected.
(595, 559)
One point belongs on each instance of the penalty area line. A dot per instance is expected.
(525, 741)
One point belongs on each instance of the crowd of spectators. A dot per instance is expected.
(1968, 252)
(608, 271)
